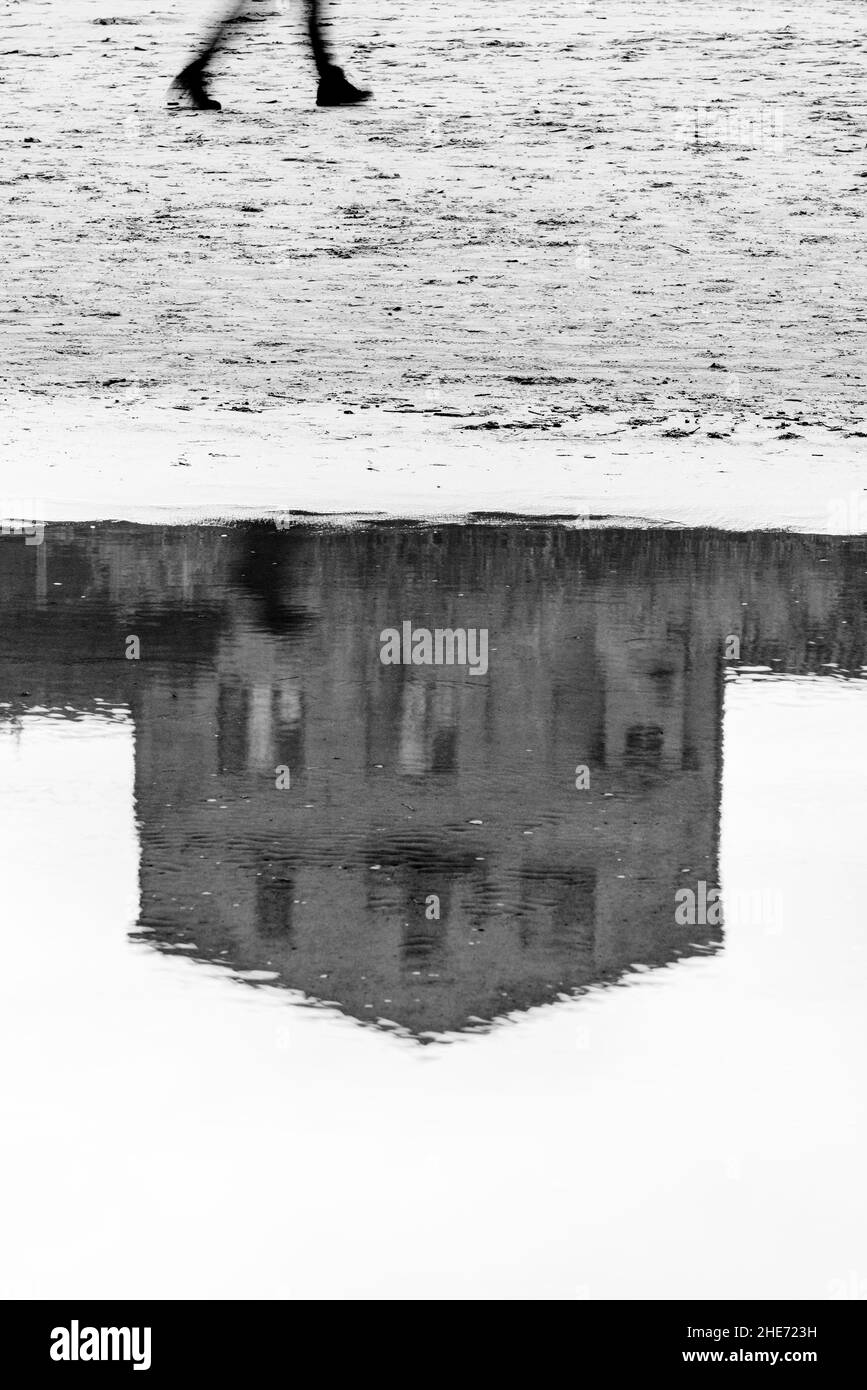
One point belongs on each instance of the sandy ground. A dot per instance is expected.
(625, 231)
(146, 463)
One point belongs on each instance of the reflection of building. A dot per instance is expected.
(432, 862)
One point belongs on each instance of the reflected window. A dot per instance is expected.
(274, 899)
(643, 745)
(233, 711)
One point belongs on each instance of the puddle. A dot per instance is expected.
(427, 848)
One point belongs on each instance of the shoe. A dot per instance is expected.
(193, 84)
(335, 90)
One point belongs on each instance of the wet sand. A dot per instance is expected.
(575, 260)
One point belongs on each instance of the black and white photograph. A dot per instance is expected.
(433, 671)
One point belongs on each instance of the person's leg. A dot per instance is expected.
(315, 27)
(334, 89)
(192, 81)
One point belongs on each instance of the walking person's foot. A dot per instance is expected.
(192, 83)
(336, 90)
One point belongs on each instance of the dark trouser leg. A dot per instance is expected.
(217, 35)
(321, 52)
